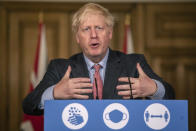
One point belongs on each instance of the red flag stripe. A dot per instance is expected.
(36, 62)
(125, 40)
(36, 123)
(128, 42)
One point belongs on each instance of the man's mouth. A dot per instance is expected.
(94, 45)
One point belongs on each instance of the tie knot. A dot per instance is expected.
(97, 67)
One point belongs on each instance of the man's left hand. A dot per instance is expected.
(141, 87)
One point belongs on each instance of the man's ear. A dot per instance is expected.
(77, 38)
(110, 33)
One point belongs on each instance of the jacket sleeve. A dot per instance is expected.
(31, 102)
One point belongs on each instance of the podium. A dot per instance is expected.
(110, 115)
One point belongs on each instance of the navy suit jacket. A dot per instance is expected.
(118, 65)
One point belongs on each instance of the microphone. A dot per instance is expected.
(130, 87)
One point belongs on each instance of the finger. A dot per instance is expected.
(124, 93)
(133, 80)
(126, 97)
(68, 72)
(123, 79)
(123, 87)
(77, 96)
(81, 80)
(134, 92)
(126, 79)
(140, 70)
(83, 91)
(82, 85)
(134, 86)
(135, 96)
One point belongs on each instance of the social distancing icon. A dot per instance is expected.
(157, 116)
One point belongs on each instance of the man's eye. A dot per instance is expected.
(85, 29)
(99, 28)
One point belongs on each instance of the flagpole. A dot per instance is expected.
(127, 19)
(40, 17)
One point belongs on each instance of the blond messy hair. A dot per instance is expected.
(91, 8)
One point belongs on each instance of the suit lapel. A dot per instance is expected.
(79, 68)
(113, 70)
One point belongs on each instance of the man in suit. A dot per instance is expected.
(119, 76)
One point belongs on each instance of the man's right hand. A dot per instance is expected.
(72, 88)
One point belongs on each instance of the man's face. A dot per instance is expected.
(94, 36)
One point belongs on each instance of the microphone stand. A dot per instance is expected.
(96, 88)
(130, 88)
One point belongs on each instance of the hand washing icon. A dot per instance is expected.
(75, 117)
(115, 116)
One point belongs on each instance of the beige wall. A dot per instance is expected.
(164, 32)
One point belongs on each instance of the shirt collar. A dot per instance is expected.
(103, 62)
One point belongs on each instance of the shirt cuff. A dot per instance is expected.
(159, 94)
(47, 95)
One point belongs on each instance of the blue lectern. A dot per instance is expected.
(110, 115)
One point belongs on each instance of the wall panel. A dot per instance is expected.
(170, 46)
(3, 69)
(170, 25)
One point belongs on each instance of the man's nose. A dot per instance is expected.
(93, 33)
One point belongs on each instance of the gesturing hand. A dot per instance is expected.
(69, 88)
(141, 87)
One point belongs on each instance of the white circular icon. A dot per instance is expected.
(116, 116)
(75, 116)
(156, 116)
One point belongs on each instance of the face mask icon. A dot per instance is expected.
(116, 116)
